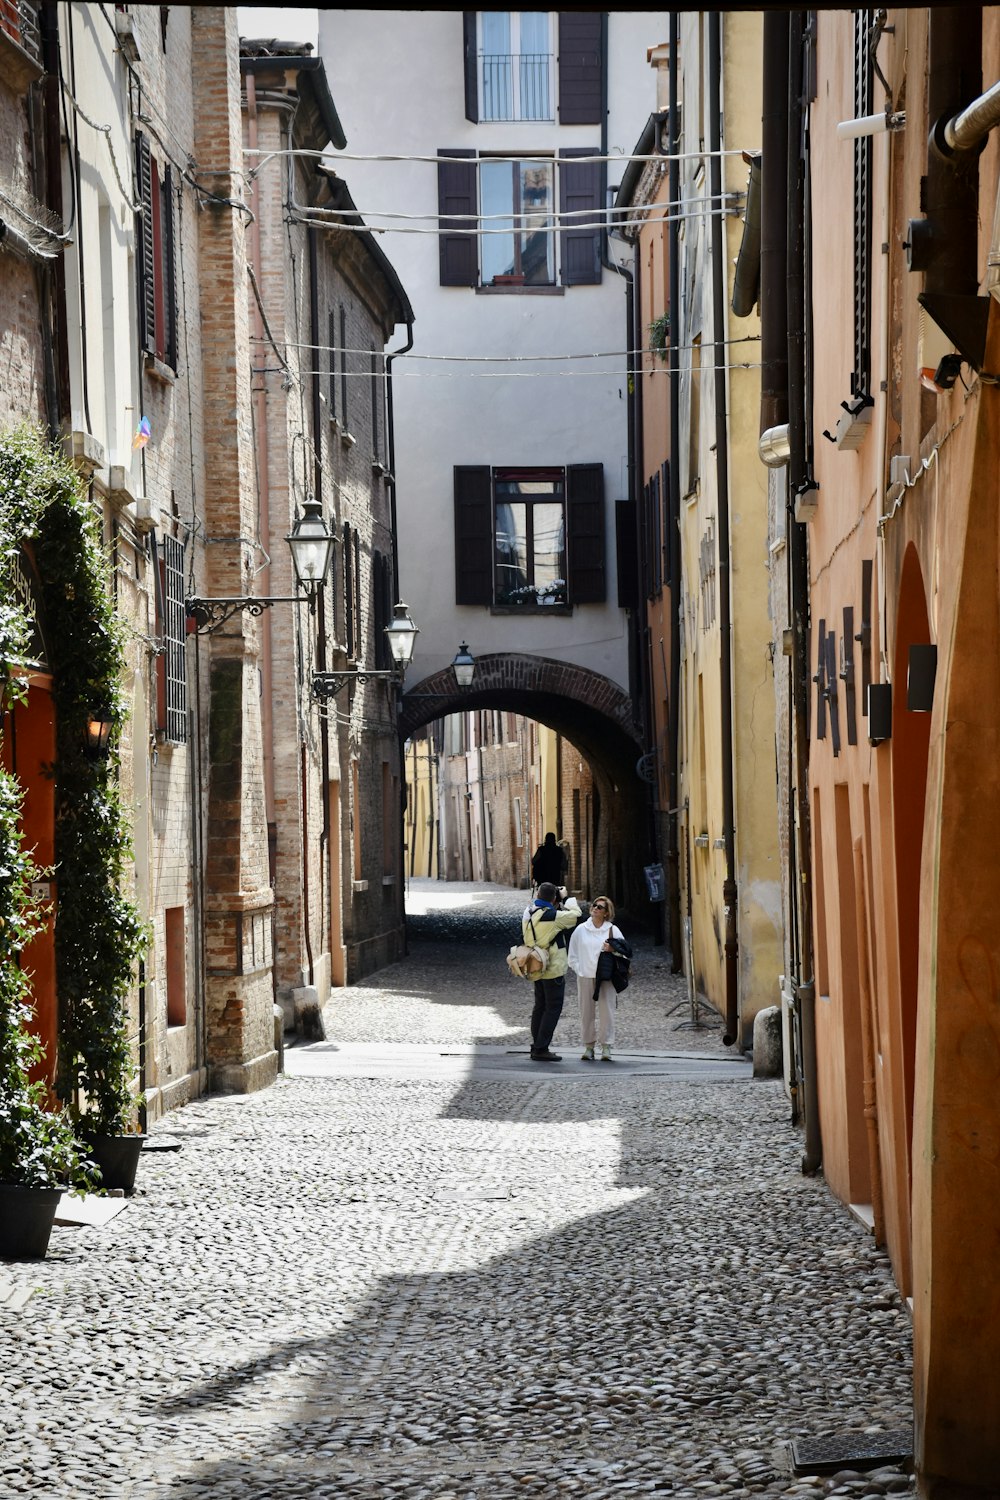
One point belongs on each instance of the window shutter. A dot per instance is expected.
(581, 35)
(348, 591)
(665, 487)
(458, 244)
(471, 69)
(628, 592)
(170, 269)
(657, 537)
(863, 156)
(145, 258)
(580, 193)
(585, 532)
(474, 535)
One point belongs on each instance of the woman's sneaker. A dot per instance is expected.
(588, 1054)
(605, 1054)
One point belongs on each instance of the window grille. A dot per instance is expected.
(173, 640)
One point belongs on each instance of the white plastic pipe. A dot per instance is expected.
(849, 130)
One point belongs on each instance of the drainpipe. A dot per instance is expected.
(673, 521)
(729, 888)
(795, 266)
(390, 439)
(264, 495)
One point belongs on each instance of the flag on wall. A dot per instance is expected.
(142, 433)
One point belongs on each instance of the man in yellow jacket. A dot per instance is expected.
(547, 924)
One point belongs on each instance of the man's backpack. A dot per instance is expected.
(525, 960)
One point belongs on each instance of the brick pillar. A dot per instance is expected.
(238, 897)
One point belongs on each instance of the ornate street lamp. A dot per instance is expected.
(464, 666)
(401, 635)
(310, 544)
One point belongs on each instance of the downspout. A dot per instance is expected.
(317, 414)
(264, 499)
(729, 888)
(390, 441)
(800, 481)
(673, 521)
(639, 644)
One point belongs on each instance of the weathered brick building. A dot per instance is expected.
(160, 312)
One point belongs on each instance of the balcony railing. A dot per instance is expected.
(19, 21)
(516, 85)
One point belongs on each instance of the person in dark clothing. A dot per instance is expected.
(547, 924)
(547, 862)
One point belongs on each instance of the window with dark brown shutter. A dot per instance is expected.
(625, 550)
(473, 535)
(471, 66)
(581, 35)
(585, 532)
(457, 242)
(580, 195)
(146, 257)
(155, 260)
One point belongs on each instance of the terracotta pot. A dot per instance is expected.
(26, 1215)
(117, 1157)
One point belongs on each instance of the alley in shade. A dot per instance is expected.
(421, 1266)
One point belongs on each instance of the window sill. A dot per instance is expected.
(531, 609)
(348, 439)
(388, 880)
(379, 468)
(357, 886)
(520, 291)
(157, 370)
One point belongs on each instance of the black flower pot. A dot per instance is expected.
(26, 1216)
(116, 1157)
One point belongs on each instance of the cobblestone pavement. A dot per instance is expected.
(589, 1283)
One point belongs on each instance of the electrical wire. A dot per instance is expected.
(499, 374)
(526, 214)
(619, 158)
(500, 359)
(523, 227)
(104, 130)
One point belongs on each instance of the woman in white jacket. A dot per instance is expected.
(589, 941)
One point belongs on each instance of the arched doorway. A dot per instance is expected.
(28, 752)
(590, 712)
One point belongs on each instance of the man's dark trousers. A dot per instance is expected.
(547, 1010)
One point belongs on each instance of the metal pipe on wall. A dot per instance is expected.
(673, 521)
(794, 270)
(729, 888)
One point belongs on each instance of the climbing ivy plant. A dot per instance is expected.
(98, 933)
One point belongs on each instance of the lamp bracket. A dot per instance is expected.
(325, 685)
(209, 614)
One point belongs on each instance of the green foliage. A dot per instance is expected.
(659, 335)
(38, 1147)
(98, 933)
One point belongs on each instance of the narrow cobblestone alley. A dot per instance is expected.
(421, 1266)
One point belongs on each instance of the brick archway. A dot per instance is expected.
(589, 711)
(537, 686)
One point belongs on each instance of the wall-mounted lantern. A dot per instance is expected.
(401, 634)
(464, 666)
(97, 735)
(310, 544)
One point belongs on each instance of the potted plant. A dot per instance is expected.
(40, 1156)
(659, 336)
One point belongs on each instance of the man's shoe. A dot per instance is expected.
(545, 1056)
(588, 1054)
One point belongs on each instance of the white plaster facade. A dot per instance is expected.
(447, 414)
